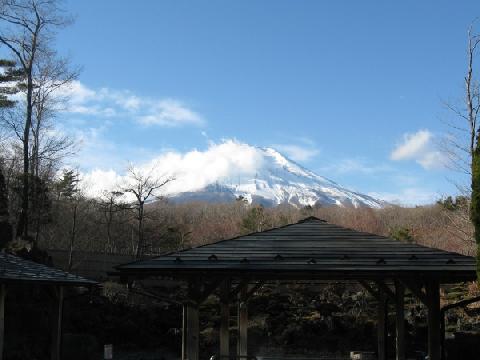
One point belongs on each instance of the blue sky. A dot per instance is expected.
(339, 86)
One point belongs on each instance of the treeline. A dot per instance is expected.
(104, 226)
(41, 209)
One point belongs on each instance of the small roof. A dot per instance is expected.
(14, 269)
(310, 249)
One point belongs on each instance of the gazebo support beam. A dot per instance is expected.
(208, 289)
(433, 317)
(242, 341)
(225, 319)
(386, 289)
(254, 289)
(236, 290)
(416, 289)
(382, 326)
(190, 332)
(400, 320)
(184, 331)
(57, 319)
(370, 289)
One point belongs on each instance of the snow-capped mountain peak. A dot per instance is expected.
(232, 169)
(279, 180)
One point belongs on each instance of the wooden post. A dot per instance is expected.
(3, 293)
(57, 318)
(400, 320)
(225, 320)
(382, 326)
(242, 341)
(433, 303)
(184, 332)
(442, 335)
(192, 332)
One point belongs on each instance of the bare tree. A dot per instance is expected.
(109, 205)
(462, 145)
(52, 75)
(143, 185)
(28, 30)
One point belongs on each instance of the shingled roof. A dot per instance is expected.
(310, 249)
(14, 269)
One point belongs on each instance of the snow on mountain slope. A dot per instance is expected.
(225, 171)
(278, 180)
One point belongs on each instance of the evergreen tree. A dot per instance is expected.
(11, 76)
(255, 219)
(401, 234)
(67, 187)
(69, 193)
(447, 203)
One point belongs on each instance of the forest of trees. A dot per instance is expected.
(42, 205)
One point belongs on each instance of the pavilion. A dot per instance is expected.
(309, 250)
(16, 272)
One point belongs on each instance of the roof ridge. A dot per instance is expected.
(311, 218)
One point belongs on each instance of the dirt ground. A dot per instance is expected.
(159, 354)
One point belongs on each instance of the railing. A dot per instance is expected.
(233, 357)
(353, 355)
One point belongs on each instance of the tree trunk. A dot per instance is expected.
(26, 160)
(72, 237)
(140, 231)
(475, 203)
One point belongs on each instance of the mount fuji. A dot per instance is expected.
(277, 180)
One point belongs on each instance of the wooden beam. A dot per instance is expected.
(461, 303)
(416, 289)
(386, 289)
(208, 289)
(192, 332)
(370, 289)
(3, 293)
(242, 341)
(234, 292)
(382, 327)
(400, 320)
(184, 331)
(443, 354)
(57, 319)
(225, 319)
(254, 288)
(433, 318)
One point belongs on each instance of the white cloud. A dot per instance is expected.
(356, 165)
(412, 145)
(108, 102)
(408, 196)
(419, 147)
(97, 182)
(79, 93)
(296, 152)
(192, 170)
(170, 112)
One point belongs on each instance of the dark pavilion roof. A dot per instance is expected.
(309, 249)
(14, 269)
